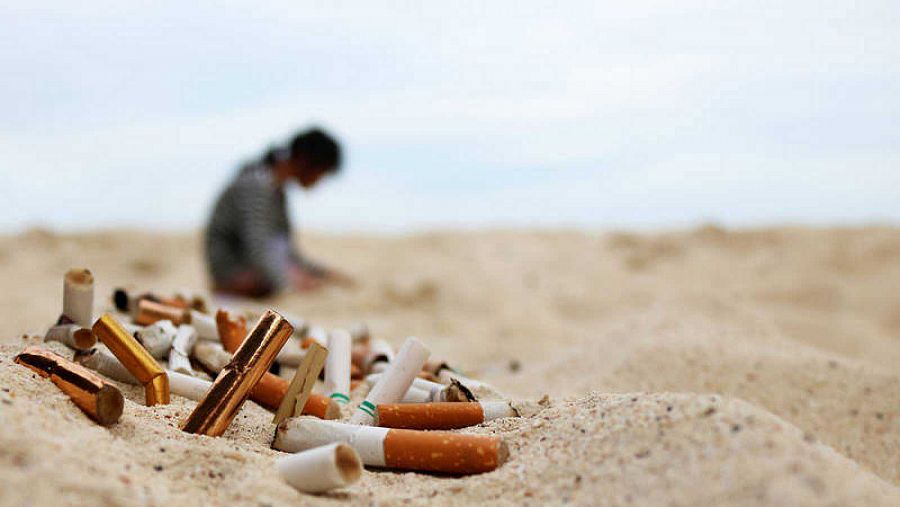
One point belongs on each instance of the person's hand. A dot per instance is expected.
(304, 281)
(341, 279)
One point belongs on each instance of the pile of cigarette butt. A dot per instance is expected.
(179, 345)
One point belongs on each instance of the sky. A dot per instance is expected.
(639, 114)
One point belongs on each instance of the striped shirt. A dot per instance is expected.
(249, 230)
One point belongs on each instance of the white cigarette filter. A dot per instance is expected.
(337, 366)
(380, 355)
(182, 346)
(431, 451)
(321, 469)
(78, 297)
(211, 355)
(101, 360)
(394, 382)
(205, 326)
(71, 335)
(157, 338)
(186, 386)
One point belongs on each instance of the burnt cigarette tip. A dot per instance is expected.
(460, 392)
(85, 338)
(80, 276)
(348, 463)
(110, 404)
(120, 299)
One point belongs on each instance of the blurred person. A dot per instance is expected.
(249, 247)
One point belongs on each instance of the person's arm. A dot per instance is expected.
(259, 234)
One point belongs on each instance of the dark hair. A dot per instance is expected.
(318, 149)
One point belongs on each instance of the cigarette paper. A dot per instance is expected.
(432, 451)
(205, 325)
(232, 387)
(182, 345)
(157, 338)
(441, 416)
(379, 356)
(447, 376)
(395, 381)
(71, 335)
(138, 361)
(78, 296)
(301, 385)
(101, 360)
(337, 366)
(322, 468)
(186, 386)
(149, 312)
(99, 399)
(317, 334)
(212, 356)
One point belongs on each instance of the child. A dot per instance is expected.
(248, 240)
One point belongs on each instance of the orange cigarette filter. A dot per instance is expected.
(150, 312)
(430, 416)
(97, 398)
(439, 451)
(270, 389)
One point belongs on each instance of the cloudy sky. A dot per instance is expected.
(632, 114)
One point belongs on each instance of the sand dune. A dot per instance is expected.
(701, 367)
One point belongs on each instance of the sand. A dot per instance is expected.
(704, 367)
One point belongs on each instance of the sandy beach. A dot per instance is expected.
(700, 367)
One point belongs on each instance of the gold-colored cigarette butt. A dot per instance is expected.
(135, 358)
(149, 312)
(233, 385)
(99, 399)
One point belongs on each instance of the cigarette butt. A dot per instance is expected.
(149, 312)
(212, 356)
(321, 469)
(300, 388)
(447, 376)
(337, 366)
(182, 345)
(435, 365)
(322, 407)
(205, 325)
(99, 399)
(71, 335)
(431, 451)
(360, 332)
(441, 415)
(233, 385)
(380, 355)
(424, 391)
(231, 331)
(157, 338)
(355, 373)
(426, 375)
(101, 360)
(186, 386)
(135, 358)
(78, 296)
(356, 383)
(394, 383)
